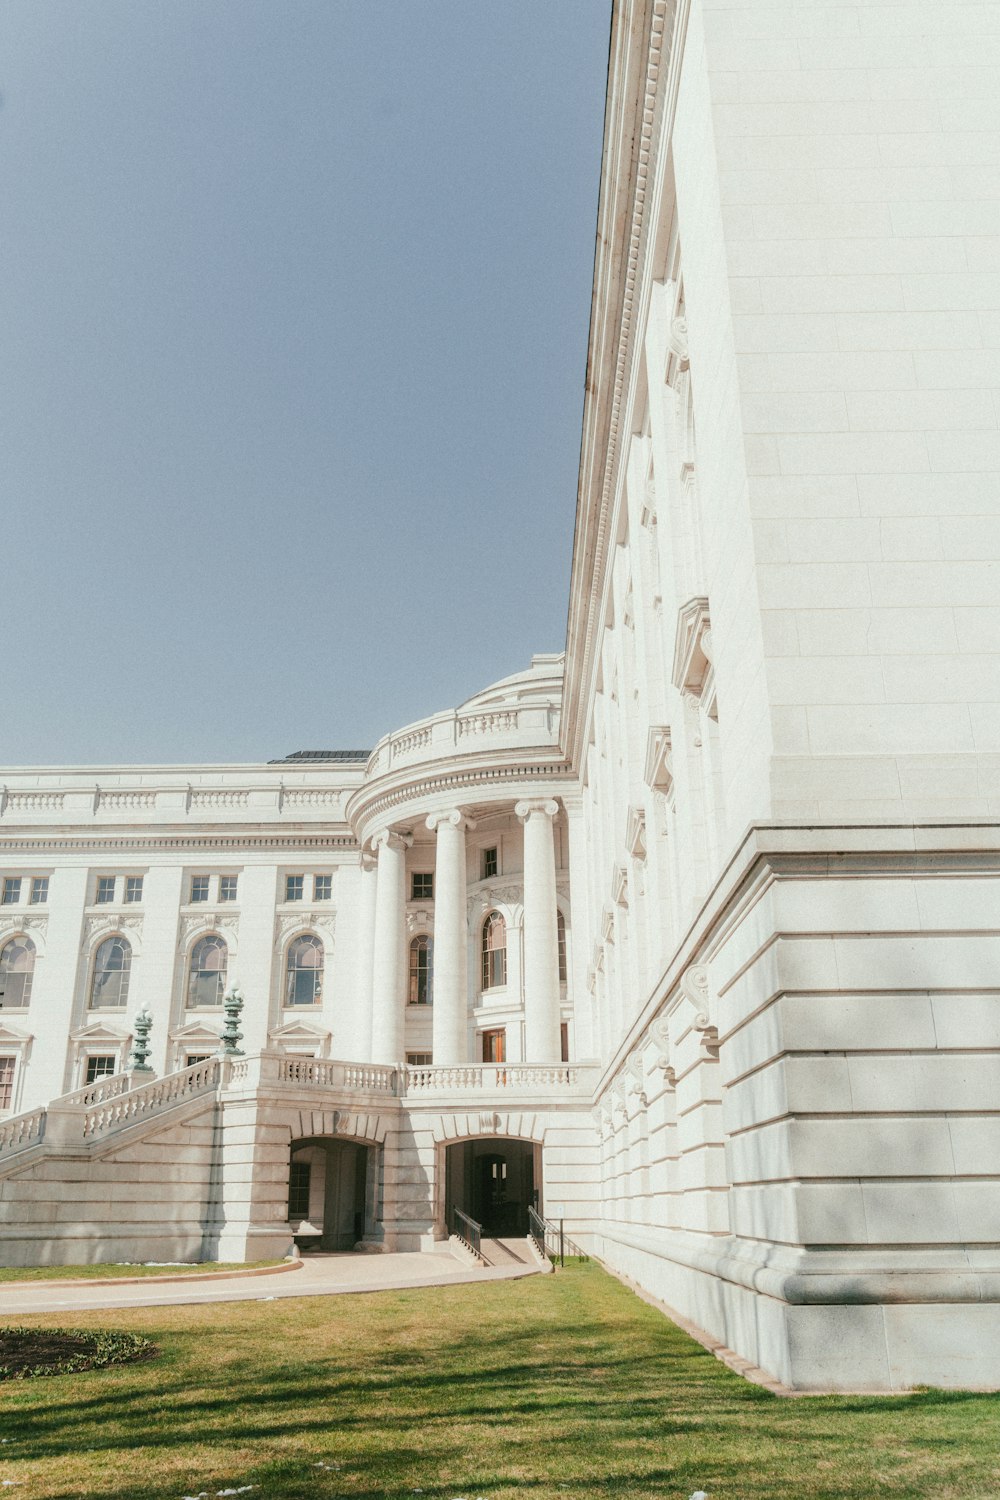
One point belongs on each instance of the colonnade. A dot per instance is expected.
(383, 938)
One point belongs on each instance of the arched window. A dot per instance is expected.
(561, 945)
(207, 972)
(419, 992)
(17, 970)
(112, 967)
(494, 951)
(304, 971)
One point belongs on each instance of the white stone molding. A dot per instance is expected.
(358, 1124)
(692, 1011)
(418, 921)
(515, 1124)
(692, 647)
(635, 833)
(659, 1033)
(301, 1032)
(635, 1077)
(531, 805)
(678, 356)
(659, 769)
(619, 885)
(608, 925)
(455, 816)
(322, 922)
(392, 838)
(129, 924)
(193, 927)
(28, 925)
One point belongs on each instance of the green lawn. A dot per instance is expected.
(98, 1273)
(554, 1388)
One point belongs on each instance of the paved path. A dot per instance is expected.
(320, 1276)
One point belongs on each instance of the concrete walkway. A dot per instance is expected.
(319, 1276)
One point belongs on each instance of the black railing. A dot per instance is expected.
(468, 1231)
(552, 1240)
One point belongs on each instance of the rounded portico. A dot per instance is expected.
(465, 881)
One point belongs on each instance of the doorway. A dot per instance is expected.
(329, 1193)
(494, 1181)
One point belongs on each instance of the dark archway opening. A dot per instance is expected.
(495, 1181)
(332, 1189)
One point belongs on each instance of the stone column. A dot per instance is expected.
(451, 939)
(541, 950)
(362, 1029)
(388, 974)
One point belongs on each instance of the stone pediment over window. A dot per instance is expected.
(619, 885)
(659, 764)
(32, 925)
(301, 1033)
(100, 1031)
(693, 647)
(635, 832)
(14, 1036)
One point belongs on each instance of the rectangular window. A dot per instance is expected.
(322, 887)
(133, 887)
(103, 1065)
(298, 1190)
(227, 887)
(105, 889)
(11, 892)
(199, 887)
(422, 886)
(490, 863)
(294, 887)
(6, 1082)
(196, 1057)
(419, 1059)
(495, 1046)
(39, 890)
(564, 1041)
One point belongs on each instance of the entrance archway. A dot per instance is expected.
(332, 1186)
(495, 1181)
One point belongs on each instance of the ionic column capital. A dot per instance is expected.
(531, 805)
(368, 859)
(391, 838)
(455, 816)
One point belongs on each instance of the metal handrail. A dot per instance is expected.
(468, 1231)
(552, 1239)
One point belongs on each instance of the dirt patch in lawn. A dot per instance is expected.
(26, 1352)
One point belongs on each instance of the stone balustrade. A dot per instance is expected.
(21, 1131)
(506, 1078)
(467, 730)
(152, 1098)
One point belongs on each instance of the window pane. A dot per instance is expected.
(489, 863)
(6, 1082)
(17, 970)
(298, 1189)
(494, 951)
(100, 1067)
(133, 888)
(561, 940)
(294, 886)
(39, 890)
(105, 889)
(419, 991)
(112, 967)
(322, 887)
(422, 885)
(227, 888)
(207, 974)
(304, 971)
(11, 892)
(196, 1057)
(199, 887)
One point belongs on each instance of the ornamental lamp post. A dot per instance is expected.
(231, 1033)
(138, 1057)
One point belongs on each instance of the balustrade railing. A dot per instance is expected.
(528, 1078)
(98, 1092)
(316, 1072)
(22, 1130)
(152, 1098)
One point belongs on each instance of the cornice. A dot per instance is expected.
(646, 46)
(109, 840)
(380, 803)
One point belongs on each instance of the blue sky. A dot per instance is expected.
(295, 298)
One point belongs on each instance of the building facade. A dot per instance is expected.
(689, 935)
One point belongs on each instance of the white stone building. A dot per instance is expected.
(693, 934)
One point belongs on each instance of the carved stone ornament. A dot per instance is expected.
(692, 647)
(659, 771)
(226, 923)
(418, 921)
(619, 885)
(635, 1078)
(694, 994)
(316, 921)
(660, 1036)
(635, 833)
(32, 925)
(125, 922)
(608, 924)
(544, 805)
(456, 817)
